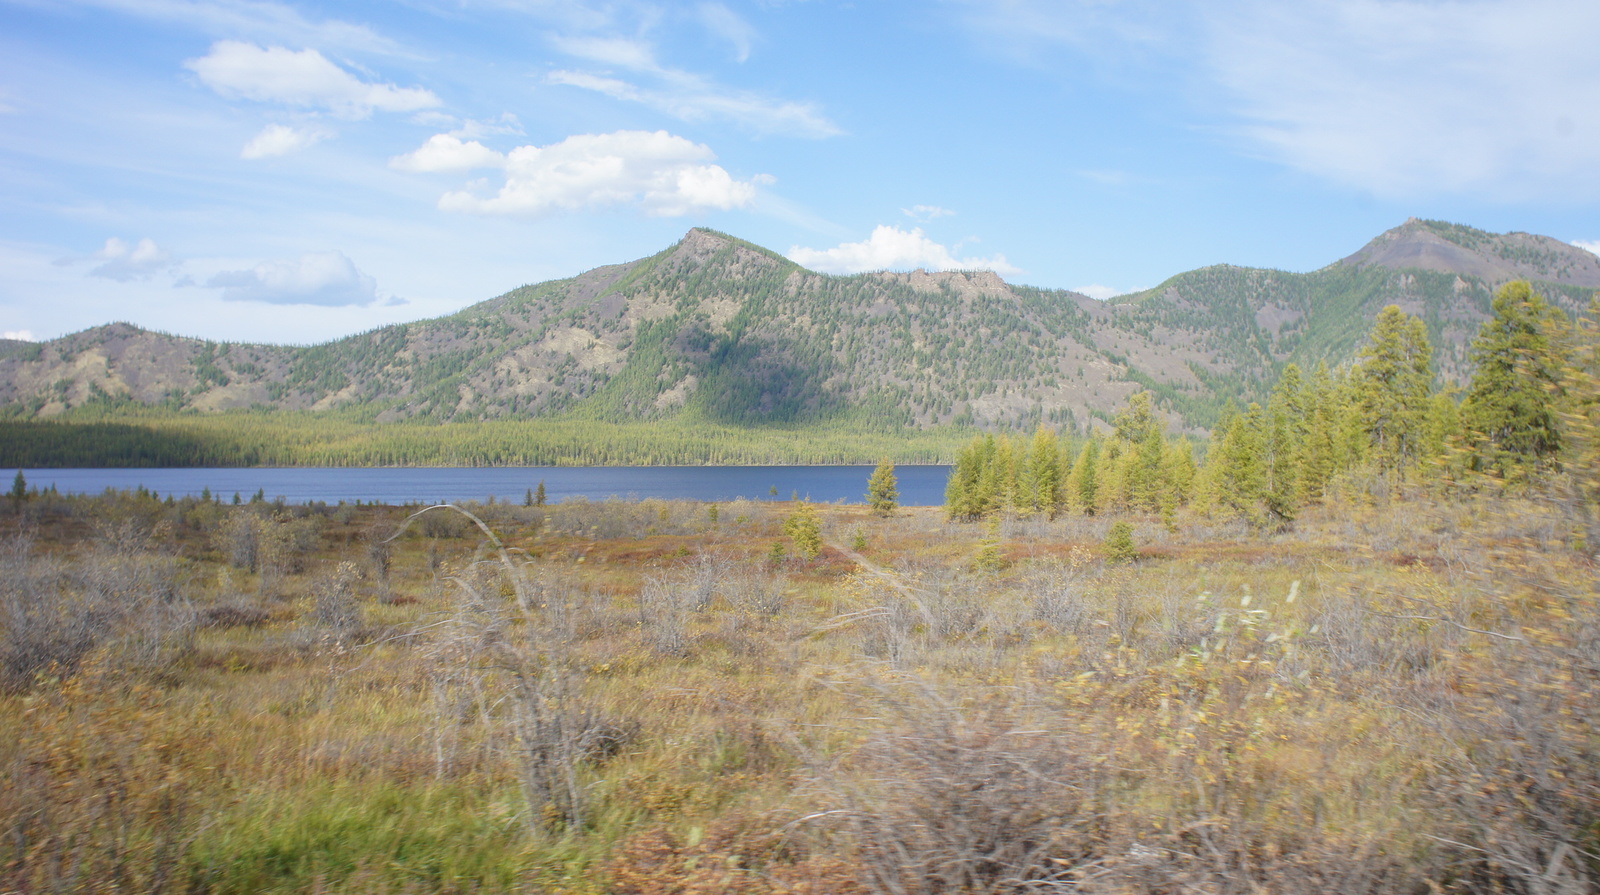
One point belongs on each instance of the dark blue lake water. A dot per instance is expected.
(919, 485)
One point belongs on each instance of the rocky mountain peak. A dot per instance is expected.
(700, 247)
(1466, 251)
(966, 283)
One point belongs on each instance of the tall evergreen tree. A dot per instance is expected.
(1044, 461)
(1510, 411)
(1392, 382)
(1235, 467)
(883, 489)
(1004, 494)
(1285, 442)
(1580, 339)
(1138, 417)
(987, 497)
(1083, 483)
(963, 497)
(1179, 471)
(804, 528)
(1146, 478)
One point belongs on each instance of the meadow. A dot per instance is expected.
(1390, 694)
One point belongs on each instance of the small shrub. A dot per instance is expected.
(805, 530)
(1119, 544)
(336, 607)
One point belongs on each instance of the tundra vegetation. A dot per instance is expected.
(1383, 684)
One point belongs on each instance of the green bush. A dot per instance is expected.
(1119, 543)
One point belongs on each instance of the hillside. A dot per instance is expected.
(720, 330)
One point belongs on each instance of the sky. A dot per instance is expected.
(292, 172)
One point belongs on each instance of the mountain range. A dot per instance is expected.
(719, 329)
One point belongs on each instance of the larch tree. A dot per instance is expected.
(963, 494)
(1235, 471)
(1285, 442)
(1083, 483)
(1044, 462)
(1581, 419)
(883, 489)
(1392, 382)
(804, 528)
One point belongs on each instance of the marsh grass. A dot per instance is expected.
(1390, 697)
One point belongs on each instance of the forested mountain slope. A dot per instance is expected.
(718, 329)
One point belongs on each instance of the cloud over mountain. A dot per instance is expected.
(890, 248)
(315, 278)
(657, 172)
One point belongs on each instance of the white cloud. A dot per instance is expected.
(472, 129)
(683, 94)
(279, 139)
(619, 51)
(1098, 291)
(890, 248)
(1403, 98)
(926, 213)
(257, 17)
(20, 335)
(663, 174)
(444, 152)
(315, 278)
(1396, 98)
(616, 88)
(726, 24)
(305, 79)
(469, 128)
(1106, 32)
(122, 262)
(1592, 245)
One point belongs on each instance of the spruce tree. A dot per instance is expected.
(1510, 412)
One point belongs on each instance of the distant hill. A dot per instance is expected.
(718, 329)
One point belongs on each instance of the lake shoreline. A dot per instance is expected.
(920, 484)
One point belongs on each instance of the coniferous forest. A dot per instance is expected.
(719, 351)
(1348, 641)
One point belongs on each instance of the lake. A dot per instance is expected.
(919, 485)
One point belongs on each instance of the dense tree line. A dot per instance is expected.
(1135, 467)
(142, 437)
(1530, 416)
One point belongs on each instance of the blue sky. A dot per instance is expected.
(292, 172)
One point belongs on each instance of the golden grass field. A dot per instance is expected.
(647, 698)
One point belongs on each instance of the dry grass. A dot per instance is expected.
(635, 698)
